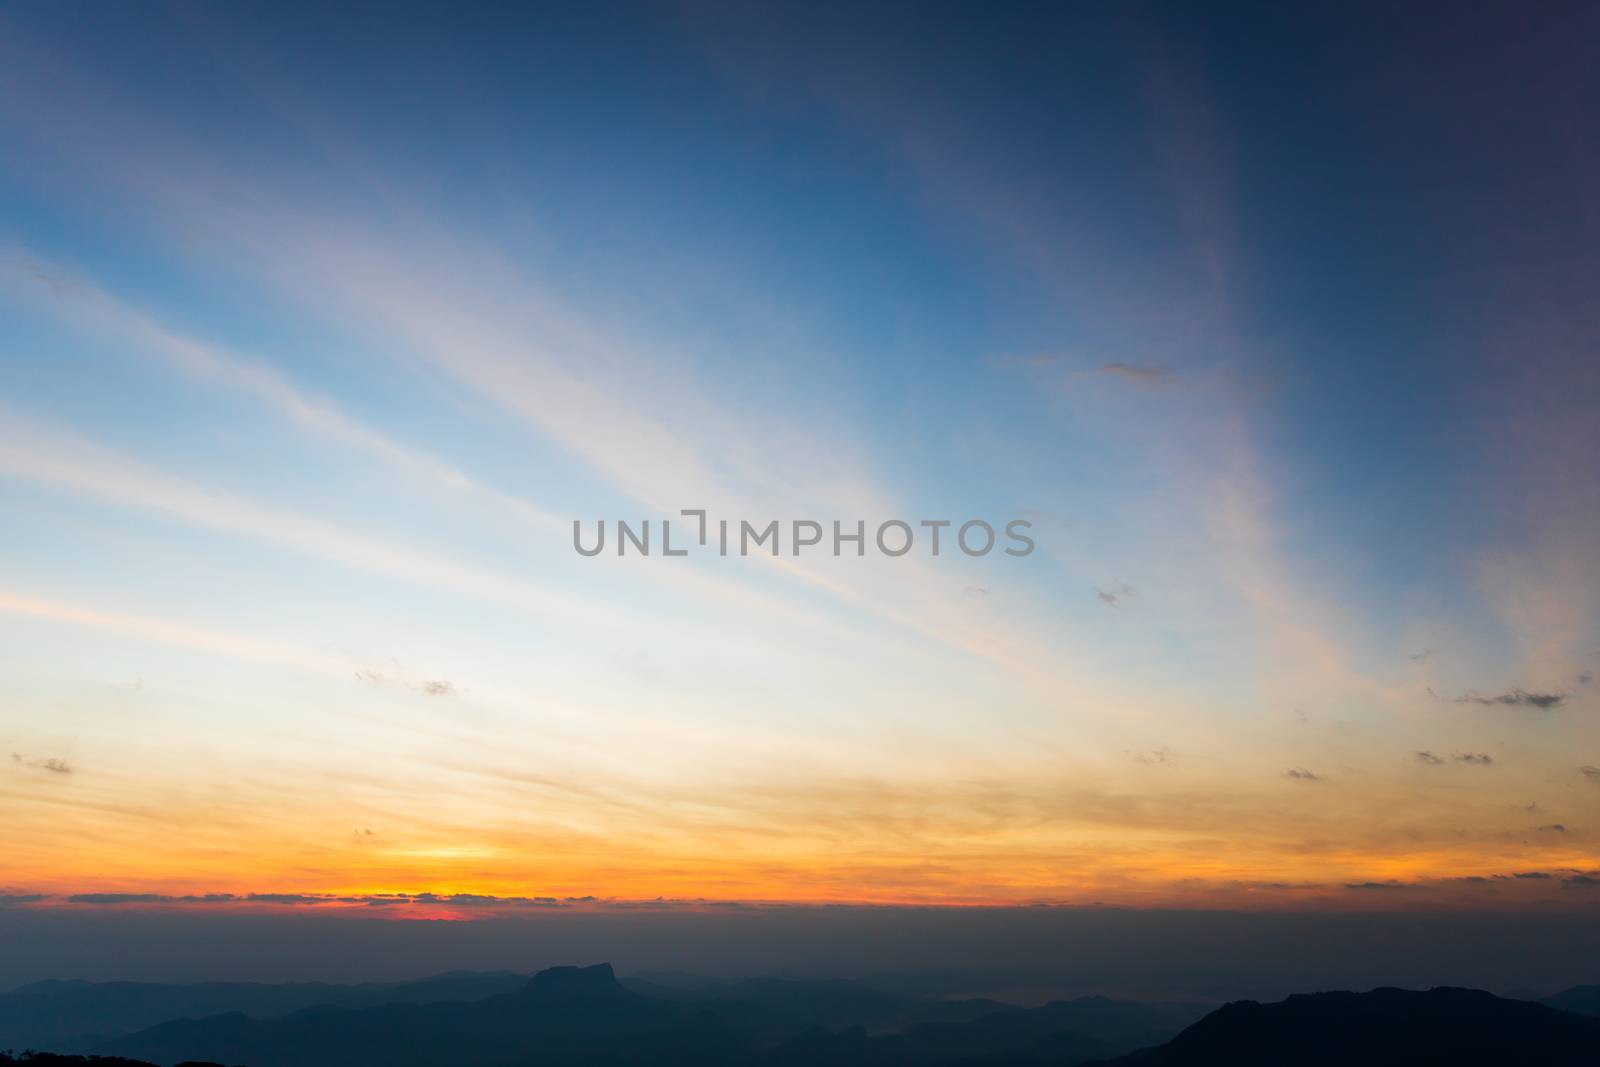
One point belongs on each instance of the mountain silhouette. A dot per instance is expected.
(75, 1016)
(1583, 999)
(1061, 1032)
(562, 1015)
(1378, 1029)
(56, 1059)
(567, 1016)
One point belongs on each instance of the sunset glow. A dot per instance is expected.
(308, 366)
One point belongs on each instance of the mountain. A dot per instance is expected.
(1382, 1028)
(561, 1015)
(566, 1016)
(1583, 999)
(55, 1059)
(76, 1015)
(1063, 1032)
(569, 1015)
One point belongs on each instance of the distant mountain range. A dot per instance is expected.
(1385, 1026)
(571, 1015)
(76, 1016)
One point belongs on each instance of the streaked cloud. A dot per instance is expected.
(1516, 698)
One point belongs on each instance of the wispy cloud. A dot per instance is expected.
(51, 764)
(1136, 374)
(1516, 698)
(434, 687)
(87, 307)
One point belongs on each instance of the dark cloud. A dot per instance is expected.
(1516, 698)
(371, 900)
(473, 900)
(7, 899)
(54, 766)
(1154, 755)
(284, 898)
(151, 898)
(1427, 759)
(1122, 592)
(438, 688)
(1375, 885)
(1581, 881)
(1418, 657)
(1301, 774)
(1553, 828)
(1591, 773)
(1482, 759)
(1537, 876)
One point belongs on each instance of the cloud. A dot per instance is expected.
(433, 687)
(1516, 698)
(1418, 657)
(1138, 375)
(1123, 592)
(1581, 881)
(1145, 375)
(1552, 828)
(1482, 759)
(1037, 361)
(380, 900)
(90, 307)
(54, 766)
(1375, 885)
(1301, 774)
(1427, 759)
(1536, 876)
(1590, 772)
(59, 458)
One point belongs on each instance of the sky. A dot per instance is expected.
(320, 329)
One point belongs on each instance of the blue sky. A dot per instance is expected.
(320, 330)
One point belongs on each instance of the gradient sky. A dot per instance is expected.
(317, 332)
